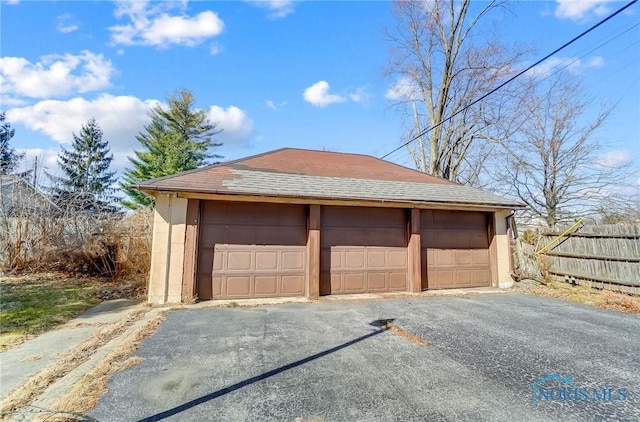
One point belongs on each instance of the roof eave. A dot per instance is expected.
(409, 202)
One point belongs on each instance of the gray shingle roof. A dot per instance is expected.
(282, 184)
(325, 175)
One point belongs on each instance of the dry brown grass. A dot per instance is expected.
(84, 395)
(25, 393)
(604, 299)
(111, 246)
(394, 328)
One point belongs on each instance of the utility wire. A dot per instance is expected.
(568, 62)
(571, 61)
(508, 81)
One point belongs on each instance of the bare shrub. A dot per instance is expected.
(39, 236)
(530, 237)
(133, 235)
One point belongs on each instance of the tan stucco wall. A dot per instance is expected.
(502, 249)
(167, 251)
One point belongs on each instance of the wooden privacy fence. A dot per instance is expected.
(600, 256)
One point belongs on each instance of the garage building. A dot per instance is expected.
(295, 222)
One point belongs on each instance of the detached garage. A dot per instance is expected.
(308, 223)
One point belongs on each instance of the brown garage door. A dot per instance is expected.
(455, 249)
(251, 250)
(363, 250)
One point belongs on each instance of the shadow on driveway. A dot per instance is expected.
(382, 324)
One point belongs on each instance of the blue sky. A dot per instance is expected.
(270, 73)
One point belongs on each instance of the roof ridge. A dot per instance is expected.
(370, 156)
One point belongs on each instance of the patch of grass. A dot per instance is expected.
(233, 304)
(34, 305)
(583, 294)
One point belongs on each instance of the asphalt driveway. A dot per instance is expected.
(331, 362)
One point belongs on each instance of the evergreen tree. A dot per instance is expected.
(86, 183)
(9, 158)
(177, 139)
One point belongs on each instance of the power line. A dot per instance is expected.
(508, 81)
(571, 61)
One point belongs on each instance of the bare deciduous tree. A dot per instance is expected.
(553, 163)
(440, 66)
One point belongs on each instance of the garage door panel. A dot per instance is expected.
(480, 257)
(293, 285)
(397, 259)
(251, 249)
(445, 257)
(236, 260)
(238, 235)
(443, 278)
(356, 217)
(352, 269)
(266, 261)
(363, 249)
(207, 259)
(455, 249)
(462, 257)
(239, 214)
(215, 283)
(398, 281)
(480, 276)
(376, 259)
(293, 260)
(332, 259)
(259, 270)
(265, 285)
(463, 277)
(376, 281)
(353, 260)
(237, 285)
(331, 237)
(437, 219)
(336, 282)
(354, 282)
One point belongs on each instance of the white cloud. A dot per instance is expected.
(67, 24)
(638, 182)
(7, 101)
(215, 49)
(318, 95)
(236, 126)
(615, 159)
(595, 61)
(152, 24)
(12, 2)
(276, 8)
(271, 105)
(581, 9)
(55, 75)
(553, 64)
(361, 95)
(403, 90)
(121, 118)
(47, 159)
